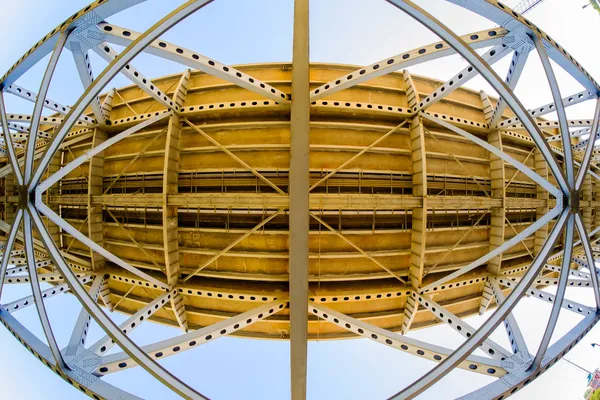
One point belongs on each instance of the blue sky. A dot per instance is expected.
(234, 31)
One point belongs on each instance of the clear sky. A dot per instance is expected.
(351, 31)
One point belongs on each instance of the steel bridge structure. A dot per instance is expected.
(299, 201)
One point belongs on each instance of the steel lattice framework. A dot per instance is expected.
(43, 154)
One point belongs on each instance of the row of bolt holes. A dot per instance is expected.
(156, 114)
(458, 120)
(144, 81)
(18, 280)
(450, 322)
(391, 61)
(550, 298)
(64, 109)
(324, 103)
(134, 281)
(542, 282)
(389, 341)
(44, 295)
(243, 104)
(132, 325)
(193, 342)
(109, 28)
(550, 106)
(220, 295)
(573, 123)
(28, 117)
(443, 88)
(324, 299)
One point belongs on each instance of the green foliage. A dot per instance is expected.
(596, 395)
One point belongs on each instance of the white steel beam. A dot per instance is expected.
(82, 324)
(406, 344)
(10, 242)
(48, 103)
(490, 57)
(84, 69)
(39, 105)
(37, 293)
(551, 107)
(161, 48)
(27, 301)
(585, 164)
(562, 120)
(587, 246)
(12, 155)
(488, 37)
(165, 348)
(515, 336)
(488, 346)
(104, 344)
(144, 83)
(514, 73)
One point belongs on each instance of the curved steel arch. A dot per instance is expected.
(567, 211)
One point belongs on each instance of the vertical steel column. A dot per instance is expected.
(586, 210)
(10, 197)
(541, 168)
(95, 188)
(419, 215)
(596, 209)
(170, 213)
(298, 190)
(53, 167)
(498, 180)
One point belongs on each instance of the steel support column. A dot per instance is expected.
(95, 183)
(497, 180)
(170, 186)
(541, 168)
(298, 190)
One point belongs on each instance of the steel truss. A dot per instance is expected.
(26, 259)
